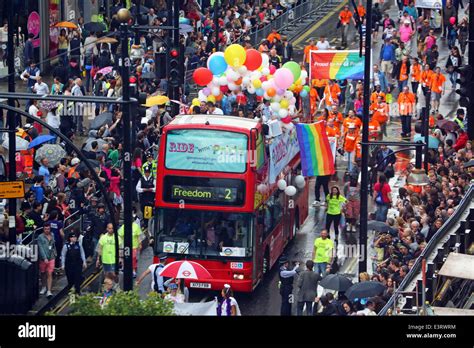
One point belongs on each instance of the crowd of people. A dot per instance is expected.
(88, 65)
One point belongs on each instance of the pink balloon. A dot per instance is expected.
(263, 78)
(286, 120)
(206, 91)
(452, 20)
(272, 69)
(283, 78)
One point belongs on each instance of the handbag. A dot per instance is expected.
(389, 172)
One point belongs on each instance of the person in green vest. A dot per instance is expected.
(106, 250)
(150, 163)
(336, 201)
(114, 153)
(323, 253)
(136, 245)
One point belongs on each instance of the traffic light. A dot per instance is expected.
(466, 89)
(174, 76)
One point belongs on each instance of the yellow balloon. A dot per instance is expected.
(257, 83)
(211, 98)
(292, 87)
(284, 103)
(235, 55)
(196, 102)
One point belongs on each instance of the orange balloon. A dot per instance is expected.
(219, 97)
(238, 82)
(271, 92)
(298, 88)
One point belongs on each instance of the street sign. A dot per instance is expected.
(12, 189)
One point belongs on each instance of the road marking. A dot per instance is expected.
(318, 24)
(334, 40)
(204, 299)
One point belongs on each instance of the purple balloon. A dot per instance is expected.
(280, 91)
(206, 91)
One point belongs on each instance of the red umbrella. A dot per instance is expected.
(185, 270)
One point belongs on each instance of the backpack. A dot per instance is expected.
(379, 198)
(155, 277)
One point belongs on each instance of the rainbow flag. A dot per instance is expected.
(316, 154)
(336, 65)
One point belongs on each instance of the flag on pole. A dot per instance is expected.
(316, 155)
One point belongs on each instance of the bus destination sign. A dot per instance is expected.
(200, 193)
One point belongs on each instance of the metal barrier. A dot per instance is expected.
(431, 248)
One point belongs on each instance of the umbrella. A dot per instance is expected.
(185, 270)
(447, 125)
(185, 28)
(40, 140)
(82, 166)
(53, 152)
(469, 164)
(94, 27)
(380, 226)
(364, 289)
(89, 141)
(141, 10)
(100, 120)
(68, 25)
(48, 105)
(107, 39)
(157, 100)
(106, 70)
(336, 282)
(20, 143)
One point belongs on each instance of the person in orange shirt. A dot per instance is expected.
(313, 101)
(437, 88)
(351, 120)
(375, 94)
(361, 11)
(406, 106)
(374, 129)
(332, 130)
(350, 140)
(323, 116)
(307, 53)
(336, 116)
(425, 79)
(332, 91)
(273, 35)
(345, 17)
(320, 84)
(380, 114)
(415, 72)
(403, 71)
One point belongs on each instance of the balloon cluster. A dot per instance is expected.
(291, 190)
(250, 71)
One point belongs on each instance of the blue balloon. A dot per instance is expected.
(260, 92)
(217, 65)
(303, 94)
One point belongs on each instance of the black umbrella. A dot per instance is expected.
(95, 27)
(364, 290)
(380, 226)
(82, 166)
(100, 120)
(469, 164)
(336, 282)
(447, 125)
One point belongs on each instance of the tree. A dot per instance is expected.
(123, 303)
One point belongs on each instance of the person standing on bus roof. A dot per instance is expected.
(157, 281)
(287, 278)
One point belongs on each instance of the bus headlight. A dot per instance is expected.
(239, 276)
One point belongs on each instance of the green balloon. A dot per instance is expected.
(306, 88)
(294, 68)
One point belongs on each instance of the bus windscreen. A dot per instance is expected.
(206, 150)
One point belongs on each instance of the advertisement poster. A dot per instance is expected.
(282, 150)
(53, 32)
(34, 27)
(206, 150)
(336, 65)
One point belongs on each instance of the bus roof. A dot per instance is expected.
(228, 121)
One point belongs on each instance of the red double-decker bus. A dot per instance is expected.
(217, 201)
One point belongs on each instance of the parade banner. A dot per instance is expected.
(336, 65)
(282, 150)
(433, 4)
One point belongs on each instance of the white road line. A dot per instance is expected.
(204, 299)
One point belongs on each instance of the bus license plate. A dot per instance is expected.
(201, 285)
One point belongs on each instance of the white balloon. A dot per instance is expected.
(277, 98)
(246, 81)
(281, 184)
(283, 113)
(223, 80)
(293, 101)
(215, 91)
(288, 95)
(299, 181)
(266, 96)
(265, 71)
(255, 75)
(290, 191)
(251, 89)
(292, 110)
(261, 188)
(232, 86)
(303, 75)
(215, 81)
(275, 107)
(265, 61)
(303, 81)
(242, 70)
(266, 85)
(201, 96)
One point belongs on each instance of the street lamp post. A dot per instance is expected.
(124, 63)
(364, 189)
